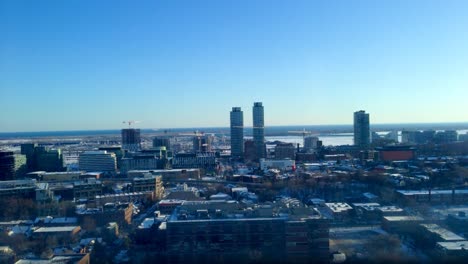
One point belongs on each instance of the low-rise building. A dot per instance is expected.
(458, 221)
(401, 224)
(90, 218)
(339, 211)
(87, 189)
(283, 164)
(183, 192)
(167, 175)
(167, 206)
(59, 232)
(62, 259)
(453, 249)
(56, 221)
(56, 176)
(392, 153)
(129, 197)
(7, 254)
(433, 196)
(200, 230)
(390, 210)
(18, 188)
(367, 211)
(430, 234)
(146, 183)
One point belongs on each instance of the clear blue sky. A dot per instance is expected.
(77, 65)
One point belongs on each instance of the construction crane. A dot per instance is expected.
(303, 132)
(195, 133)
(130, 122)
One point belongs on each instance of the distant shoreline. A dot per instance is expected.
(269, 130)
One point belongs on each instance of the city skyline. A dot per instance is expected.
(88, 66)
(246, 131)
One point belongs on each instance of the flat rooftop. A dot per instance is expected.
(55, 229)
(402, 218)
(443, 233)
(369, 195)
(213, 210)
(433, 192)
(458, 245)
(171, 202)
(117, 195)
(390, 209)
(161, 171)
(338, 207)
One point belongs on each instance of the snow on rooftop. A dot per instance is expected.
(338, 207)
(445, 234)
(55, 229)
(458, 245)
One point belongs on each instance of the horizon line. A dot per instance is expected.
(211, 127)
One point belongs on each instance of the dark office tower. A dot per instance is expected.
(162, 141)
(259, 130)
(7, 166)
(131, 140)
(39, 158)
(361, 129)
(48, 159)
(28, 149)
(237, 132)
(202, 144)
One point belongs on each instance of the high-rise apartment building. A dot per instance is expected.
(131, 139)
(361, 129)
(259, 130)
(237, 132)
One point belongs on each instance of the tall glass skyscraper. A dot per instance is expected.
(237, 132)
(361, 129)
(259, 130)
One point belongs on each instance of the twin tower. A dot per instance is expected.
(237, 131)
